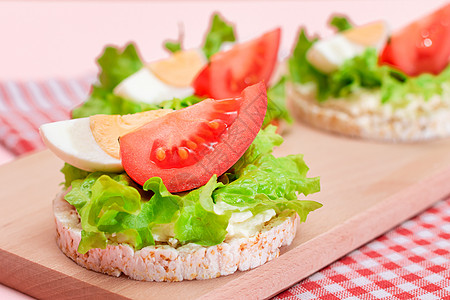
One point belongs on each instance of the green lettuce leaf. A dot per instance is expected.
(301, 71)
(281, 177)
(197, 222)
(116, 65)
(274, 183)
(363, 73)
(163, 205)
(113, 209)
(177, 103)
(107, 103)
(264, 142)
(102, 101)
(134, 228)
(99, 199)
(276, 103)
(283, 206)
(175, 45)
(219, 32)
(260, 181)
(72, 173)
(341, 23)
(172, 46)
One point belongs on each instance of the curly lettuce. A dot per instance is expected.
(301, 71)
(116, 65)
(276, 103)
(219, 32)
(362, 73)
(340, 23)
(173, 46)
(113, 209)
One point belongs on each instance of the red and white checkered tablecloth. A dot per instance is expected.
(409, 262)
(24, 106)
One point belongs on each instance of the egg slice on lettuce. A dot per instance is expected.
(164, 79)
(330, 53)
(92, 144)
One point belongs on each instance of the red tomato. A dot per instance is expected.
(229, 72)
(185, 148)
(421, 47)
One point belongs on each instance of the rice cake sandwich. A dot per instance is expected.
(169, 195)
(220, 68)
(365, 82)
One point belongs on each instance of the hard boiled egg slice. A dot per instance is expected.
(91, 143)
(107, 129)
(144, 86)
(73, 142)
(163, 80)
(330, 53)
(180, 69)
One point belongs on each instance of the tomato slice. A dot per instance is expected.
(422, 46)
(186, 147)
(229, 72)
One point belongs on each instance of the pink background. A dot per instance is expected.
(49, 39)
(42, 39)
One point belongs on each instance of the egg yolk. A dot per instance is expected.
(367, 35)
(107, 129)
(180, 69)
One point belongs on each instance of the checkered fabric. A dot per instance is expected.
(24, 106)
(409, 262)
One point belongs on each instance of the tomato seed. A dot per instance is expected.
(160, 154)
(213, 124)
(183, 153)
(191, 145)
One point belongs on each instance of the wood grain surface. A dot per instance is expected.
(367, 188)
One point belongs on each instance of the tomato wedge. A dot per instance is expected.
(422, 46)
(229, 72)
(185, 148)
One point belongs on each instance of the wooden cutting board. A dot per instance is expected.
(367, 188)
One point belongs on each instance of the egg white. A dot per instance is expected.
(73, 142)
(328, 54)
(144, 86)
